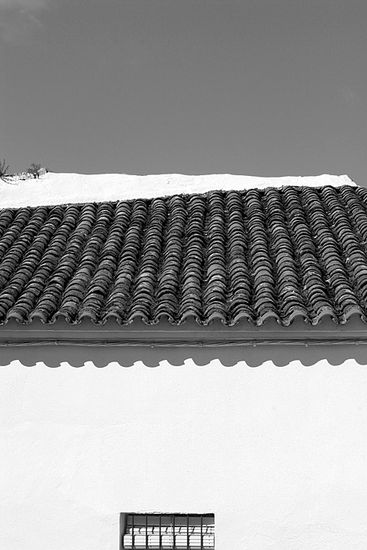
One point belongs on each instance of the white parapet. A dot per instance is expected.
(64, 188)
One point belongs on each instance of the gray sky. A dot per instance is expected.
(263, 87)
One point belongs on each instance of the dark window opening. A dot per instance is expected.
(167, 531)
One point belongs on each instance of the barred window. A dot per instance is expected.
(167, 531)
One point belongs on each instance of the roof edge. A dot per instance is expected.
(53, 189)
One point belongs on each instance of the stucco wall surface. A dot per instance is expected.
(278, 454)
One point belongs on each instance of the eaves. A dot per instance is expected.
(78, 344)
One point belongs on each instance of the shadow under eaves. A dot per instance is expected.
(280, 355)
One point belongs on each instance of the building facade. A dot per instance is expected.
(222, 353)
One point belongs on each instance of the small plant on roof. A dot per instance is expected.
(34, 170)
(4, 167)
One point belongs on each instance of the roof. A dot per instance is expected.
(281, 253)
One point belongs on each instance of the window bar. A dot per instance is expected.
(213, 538)
(123, 527)
(160, 531)
(174, 535)
(146, 531)
(132, 532)
(188, 532)
(201, 533)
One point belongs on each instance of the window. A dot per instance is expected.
(167, 531)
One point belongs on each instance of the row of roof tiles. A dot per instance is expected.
(253, 255)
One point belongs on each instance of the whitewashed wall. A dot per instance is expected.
(278, 454)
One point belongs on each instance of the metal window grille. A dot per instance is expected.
(167, 531)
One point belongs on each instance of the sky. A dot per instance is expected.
(259, 87)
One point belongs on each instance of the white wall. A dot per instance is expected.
(278, 454)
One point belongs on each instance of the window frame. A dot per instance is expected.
(124, 516)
